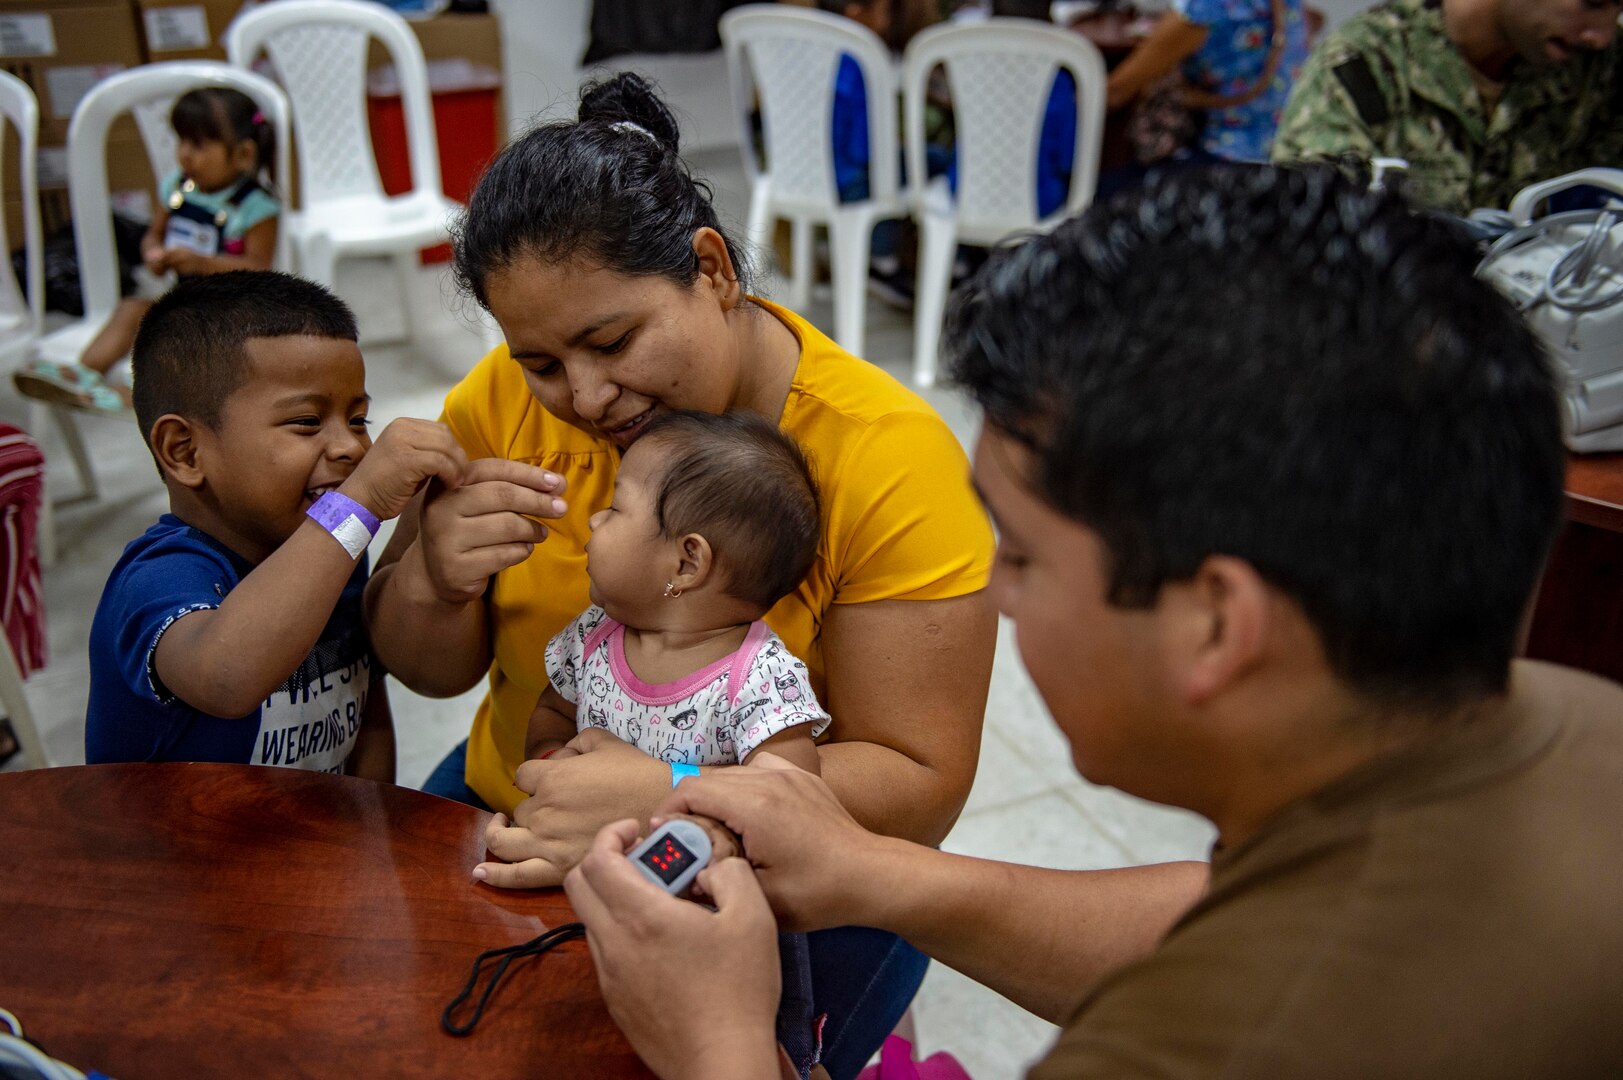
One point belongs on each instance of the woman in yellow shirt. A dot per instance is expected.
(619, 295)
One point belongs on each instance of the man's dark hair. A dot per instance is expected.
(189, 354)
(1281, 367)
(738, 481)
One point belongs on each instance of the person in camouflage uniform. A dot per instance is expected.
(1480, 97)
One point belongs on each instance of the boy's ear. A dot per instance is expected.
(174, 444)
(694, 562)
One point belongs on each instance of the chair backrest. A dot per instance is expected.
(20, 316)
(1000, 73)
(791, 56)
(318, 48)
(149, 92)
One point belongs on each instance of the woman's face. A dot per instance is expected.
(604, 351)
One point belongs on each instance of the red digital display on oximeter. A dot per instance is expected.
(667, 859)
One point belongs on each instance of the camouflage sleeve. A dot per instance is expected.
(1334, 111)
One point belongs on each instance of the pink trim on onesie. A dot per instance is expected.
(736, 666)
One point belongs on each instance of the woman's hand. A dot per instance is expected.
(655, 955)
(572, 799)
(485, 524)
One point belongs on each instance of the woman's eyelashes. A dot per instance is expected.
(616, 345)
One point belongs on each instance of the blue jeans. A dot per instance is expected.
(863, 979)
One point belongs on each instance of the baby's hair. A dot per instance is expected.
(737, 480)
(190, 353)
(220, 114)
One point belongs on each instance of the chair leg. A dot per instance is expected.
(17, 709)
(68, 425)
(938, 240)
(405, 267)
(45, 535)
(318, 261)
(800, 281)
(760, 221)
(850, 238)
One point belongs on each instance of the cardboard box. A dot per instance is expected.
(61, 50)
(185, 29)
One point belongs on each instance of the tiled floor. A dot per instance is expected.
(1028, 804)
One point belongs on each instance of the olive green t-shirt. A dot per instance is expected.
(1455, 910)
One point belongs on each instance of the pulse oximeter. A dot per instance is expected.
(673, 855)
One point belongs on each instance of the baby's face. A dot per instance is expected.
(626, 558)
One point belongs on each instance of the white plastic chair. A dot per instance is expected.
(790, 56)
(1000, 73)
(318, 48)
(148, 93)
(21, 318)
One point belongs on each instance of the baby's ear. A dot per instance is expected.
(174, 444)
(695, 561)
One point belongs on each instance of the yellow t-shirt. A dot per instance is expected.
(901, 521)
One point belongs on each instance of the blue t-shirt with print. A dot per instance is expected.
(1239, 33)
(172, 569)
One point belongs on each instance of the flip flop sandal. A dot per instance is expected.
(103, 399)
(57, 384)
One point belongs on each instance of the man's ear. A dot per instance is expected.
(694, 562)
(716, 269)
(1218, 626)
(175, 445)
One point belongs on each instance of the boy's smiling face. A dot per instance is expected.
(295, 429)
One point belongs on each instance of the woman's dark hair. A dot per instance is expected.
(1284, 368)
(745, 485)
(609, 188)
(220, 114)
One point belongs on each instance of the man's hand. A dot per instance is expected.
(695, 991)
(405, 456)
(811, 858)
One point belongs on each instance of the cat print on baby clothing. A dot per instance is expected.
(716, 716)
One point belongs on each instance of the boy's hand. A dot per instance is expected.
(405, 456)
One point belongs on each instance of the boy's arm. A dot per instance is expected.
(225, 661)
(373, 756)
(551, 725)
(794, 745)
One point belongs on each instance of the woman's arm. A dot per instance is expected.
(907, 684)
(425, 606)
(1169, 43)
(373, 756)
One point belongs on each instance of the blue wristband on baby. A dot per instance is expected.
(681, 772)
(350, 523)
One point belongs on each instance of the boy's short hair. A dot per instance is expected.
(745, 486)
(1281, 367)
(189, 355)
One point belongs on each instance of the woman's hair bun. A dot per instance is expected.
(629, 97)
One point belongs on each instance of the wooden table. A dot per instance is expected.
(221, 920)
(1578, 618)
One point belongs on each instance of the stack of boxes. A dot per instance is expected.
(62, 48)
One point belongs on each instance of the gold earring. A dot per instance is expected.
(672, 591)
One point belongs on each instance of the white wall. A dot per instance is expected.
(1336, 11)
(543, 42)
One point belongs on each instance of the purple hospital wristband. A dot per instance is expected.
(350, 523)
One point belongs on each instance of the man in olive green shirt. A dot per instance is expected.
(1274, 476)
(1480, 97)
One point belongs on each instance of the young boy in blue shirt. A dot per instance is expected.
(232, 629)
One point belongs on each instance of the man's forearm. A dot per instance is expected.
(1041, 938)
(432, 647)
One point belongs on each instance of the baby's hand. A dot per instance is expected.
(405, 456)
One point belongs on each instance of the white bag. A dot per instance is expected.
(1564, 272)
